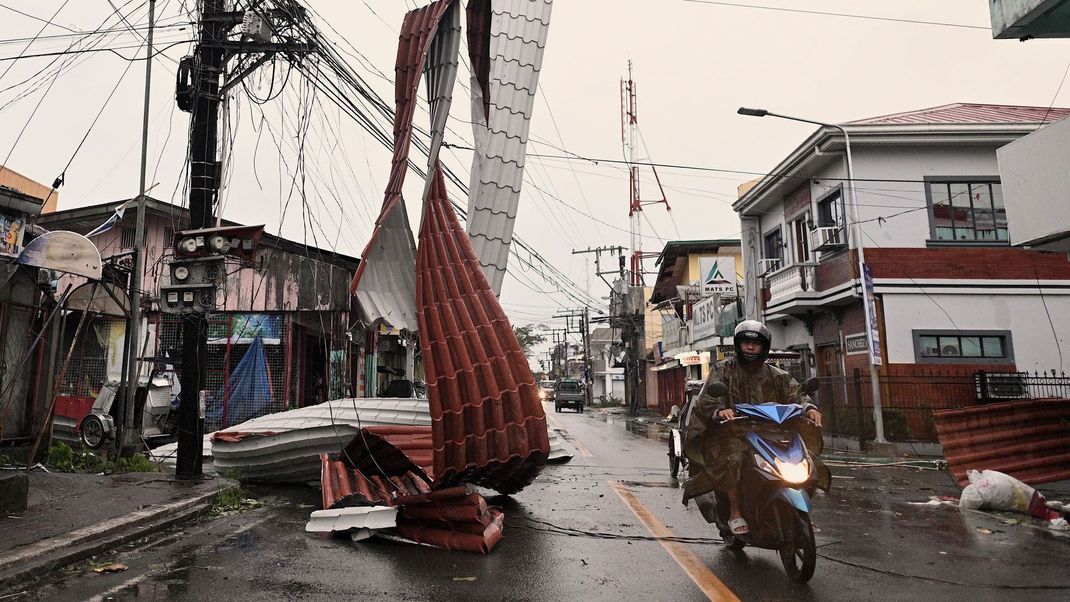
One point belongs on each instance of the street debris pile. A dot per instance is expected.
(991, 490)
(285, 447)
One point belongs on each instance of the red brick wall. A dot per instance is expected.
(991, 263)
(834, 271)
(797, 201)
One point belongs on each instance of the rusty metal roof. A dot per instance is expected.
(506, 43)
(1029, 439)
(969, 113)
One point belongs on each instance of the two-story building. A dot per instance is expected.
(696, 295)
(952, 293)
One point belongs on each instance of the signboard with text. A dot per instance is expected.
(856, 344)
(717, 275)
(871, 314)
(704, 318)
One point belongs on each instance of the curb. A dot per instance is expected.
(34, 560)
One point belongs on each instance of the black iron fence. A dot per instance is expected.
(908, 400)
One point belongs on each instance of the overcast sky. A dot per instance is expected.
(694, 63)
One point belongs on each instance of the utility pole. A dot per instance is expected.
(128, 436)
(598, 259)
(204, 95)
(583, 315)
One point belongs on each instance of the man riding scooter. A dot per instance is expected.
(716, 454)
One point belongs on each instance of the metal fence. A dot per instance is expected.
(909, 400)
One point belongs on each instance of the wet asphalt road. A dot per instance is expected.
(571, 536)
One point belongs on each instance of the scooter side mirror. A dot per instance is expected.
(811, 386)
(717, 389)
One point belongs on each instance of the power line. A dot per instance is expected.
(39, 32)
(835, 14)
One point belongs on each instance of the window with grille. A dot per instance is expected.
(967, 210)
(126, 240)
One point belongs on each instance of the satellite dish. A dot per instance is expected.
(63, 251)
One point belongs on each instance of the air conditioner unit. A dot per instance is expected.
(1000, 386)
(827, 239)
(766, 266)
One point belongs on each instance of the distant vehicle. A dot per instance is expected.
(569, 394)
(546, 389)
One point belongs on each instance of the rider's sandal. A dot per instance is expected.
(739, 526)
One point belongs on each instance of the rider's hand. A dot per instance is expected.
(726, 414)
(815, 416)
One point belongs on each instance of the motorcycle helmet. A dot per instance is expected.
(752, 330)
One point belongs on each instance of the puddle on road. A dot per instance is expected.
(647, 429)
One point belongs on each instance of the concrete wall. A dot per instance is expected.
(1035, 184)
(13, 179)
(1023, 314)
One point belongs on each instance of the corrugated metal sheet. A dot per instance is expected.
(285, 447)
(455, 518)
(488, 423)
(369, 518)
(1029, 440)
(513, 34)
(968, 113)
(385, 283)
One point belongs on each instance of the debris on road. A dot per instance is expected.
(111, 567)
(992, 490)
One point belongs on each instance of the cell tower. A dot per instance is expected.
(631, 141)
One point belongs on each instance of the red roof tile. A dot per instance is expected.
(1029, 440)
(488, 424)
(968, 113)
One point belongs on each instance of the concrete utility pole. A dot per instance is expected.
(214, 49)
(128, 436)
(598, 260)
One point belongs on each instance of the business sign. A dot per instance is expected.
(704, 318)
(717, 275)
(856, 344)
(693, 358)
(871, 315)
(12, 229)
(245, 328)
(725, 351)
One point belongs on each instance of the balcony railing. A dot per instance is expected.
(794, 279)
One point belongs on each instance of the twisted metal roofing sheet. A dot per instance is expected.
(488, 423)
(1029, 440)
(969, 113)
(384, 282)
(513, 34)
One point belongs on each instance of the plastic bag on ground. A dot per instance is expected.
(994, 490)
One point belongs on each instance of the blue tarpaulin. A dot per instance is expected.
(247, 393)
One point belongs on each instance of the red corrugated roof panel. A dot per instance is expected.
(1029, 440)
(969, 113)
(488, 424)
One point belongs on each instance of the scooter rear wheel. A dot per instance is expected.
(799, 556)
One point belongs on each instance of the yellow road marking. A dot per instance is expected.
(703, 577)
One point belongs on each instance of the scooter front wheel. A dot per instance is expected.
(799, 554)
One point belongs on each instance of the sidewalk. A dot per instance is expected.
(72, 516)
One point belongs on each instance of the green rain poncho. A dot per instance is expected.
(715, 451)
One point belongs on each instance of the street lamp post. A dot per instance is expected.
(867, 307)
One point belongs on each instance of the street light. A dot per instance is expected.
(856, 238)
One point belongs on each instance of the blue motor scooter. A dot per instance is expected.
(776, 483)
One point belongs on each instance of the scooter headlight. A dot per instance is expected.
(793, 473)
(764, 465)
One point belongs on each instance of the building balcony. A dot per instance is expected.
(790, 281)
